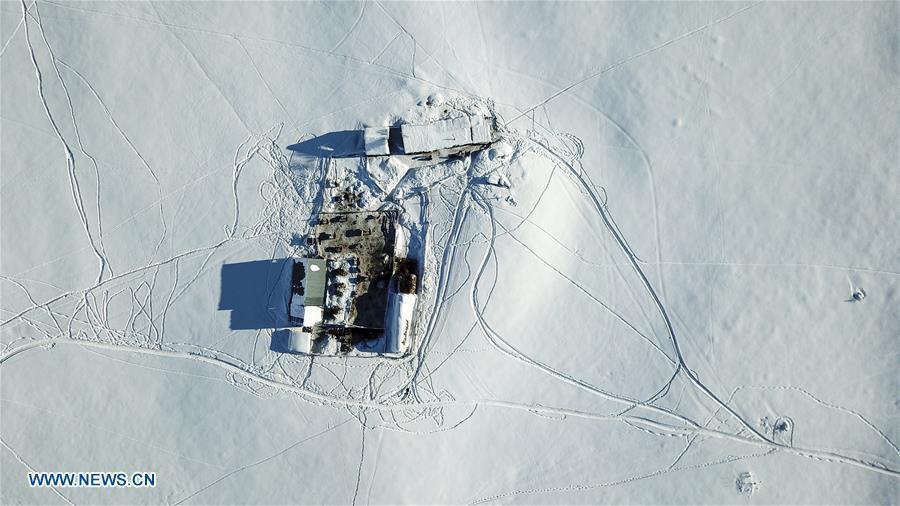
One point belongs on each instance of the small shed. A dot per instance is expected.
(299, 341)
(376, 141)
(307, 291)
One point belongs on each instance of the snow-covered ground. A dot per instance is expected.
(643, 293)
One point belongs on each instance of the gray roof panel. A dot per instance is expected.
(314, 283)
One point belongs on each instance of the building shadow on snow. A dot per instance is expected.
(256, 293)
(345, 144)
(280, 341)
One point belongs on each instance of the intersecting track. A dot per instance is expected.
(641, 414)
(505, 347)
(588, 188)
(636, 413)
(632, 420)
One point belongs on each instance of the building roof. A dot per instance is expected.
(445, 133)
(376, 141)
(481, 130)
(299, 341)
(312, 315)
(314, 282)
(307, 286)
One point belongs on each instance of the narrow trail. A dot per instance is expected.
(31, 469)
(628, 59)
(261, 461)
(132, 147)
(460, 214)
(15, 31)
(146, 324)
(105, 264)
(641, 422)
(67, 150)
(588, 188)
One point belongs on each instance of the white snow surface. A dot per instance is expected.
(644, 293)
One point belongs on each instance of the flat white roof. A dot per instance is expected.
(445, 133)
(376, 140)
(312, 315)
(481, 130)
(299, 341)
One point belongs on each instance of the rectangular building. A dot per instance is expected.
(376, 141)
(446, 133)
(307, 291)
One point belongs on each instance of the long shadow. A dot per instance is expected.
(345, 144)
(256, 293)
(280, 341)
(341, 144)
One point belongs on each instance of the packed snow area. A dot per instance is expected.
(673, 277)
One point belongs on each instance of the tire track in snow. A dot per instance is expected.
(362, 457)
(125, 221)
(601, 210)
(287, 115)
(386, 46)
(130, 144)
(584, 260)
(591, 296)
(628, 59)
(829, 405)
(375, 466)
(362, 11)
(262, 461)
(508, 349)
(70, 158)
(31, 469)
(16, 30)
(382, 69)
(78, 140)
(70, 420)
(575, 488)
(500, 404)
(202, 69)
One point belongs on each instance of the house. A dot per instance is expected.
(356, 293)
(400, 316)
(375, 140)
(447, 133)
(307, 291)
